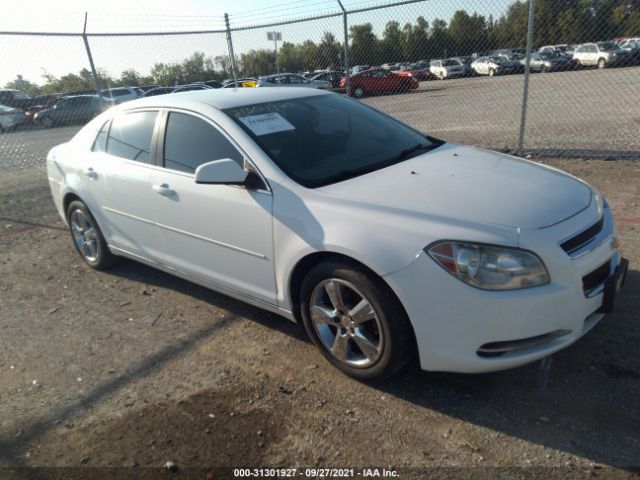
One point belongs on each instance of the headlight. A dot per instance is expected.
(35, 116)
(489, 267)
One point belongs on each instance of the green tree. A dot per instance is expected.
(363, 45)
(391, 45)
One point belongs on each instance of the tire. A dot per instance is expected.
(47, 122)
(602, 64)
(357, 92)
(543, 69)
(492, 72)
(372, 345)
(87, 237)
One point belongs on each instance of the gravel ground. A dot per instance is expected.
(131, 368)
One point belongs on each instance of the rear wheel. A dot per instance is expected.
(358, 92)
(602, 63)
(492, 72)
(355, 321)
(543, 69)
(87, 237)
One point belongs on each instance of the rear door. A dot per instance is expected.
(219, 233)
(119, 176)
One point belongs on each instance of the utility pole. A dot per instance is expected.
(275, 36)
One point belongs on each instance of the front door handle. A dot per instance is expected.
(163, 190)
(91, 173)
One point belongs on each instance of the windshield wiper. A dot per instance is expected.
(408, 152)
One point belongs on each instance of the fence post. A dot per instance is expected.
(93, 68)
(234, 69)
(346, 47)
(527, 72)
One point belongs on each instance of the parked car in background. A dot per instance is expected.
(122, 94)
(15, 98)
(509, 52)
(10, 117)
(548, 62)
(447, 68)
(496, 65)
(419, 71)
(465, 61)
(562, 49)
(332, 76)
(330, 213)
(359, 68)
(601, 54)
(633, 47)
(72, 110)
(378, 80)
(191, 87)
(213, 83)
(291, 80)
(158, 91)
(247, 82)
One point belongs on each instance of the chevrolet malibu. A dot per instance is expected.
(385, 243)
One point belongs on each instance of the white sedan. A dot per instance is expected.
(384, 242)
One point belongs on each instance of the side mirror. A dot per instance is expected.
(221, 172)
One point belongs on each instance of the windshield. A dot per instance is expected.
(325, 139)
(450, 63)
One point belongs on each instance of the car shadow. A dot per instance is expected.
(580, 401)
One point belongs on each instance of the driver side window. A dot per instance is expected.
(190, 141)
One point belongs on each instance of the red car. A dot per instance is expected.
(379, 80)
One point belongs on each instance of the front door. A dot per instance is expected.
(219, 233)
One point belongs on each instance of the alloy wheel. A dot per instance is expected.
(346, 323)
(84, 235)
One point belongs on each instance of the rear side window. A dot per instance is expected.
(130, 136)
(189, 142)
(100, 143)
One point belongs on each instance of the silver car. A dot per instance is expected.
(496, 65)
(291, 80)
(601, 54)
(447, 68)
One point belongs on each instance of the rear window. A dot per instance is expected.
(100, 143)
(130, 136)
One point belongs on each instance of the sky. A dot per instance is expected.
(31, 56)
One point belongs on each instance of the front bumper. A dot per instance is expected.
(460, 328)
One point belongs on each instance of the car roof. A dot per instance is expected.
(222, 98)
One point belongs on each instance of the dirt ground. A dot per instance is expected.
(112, 374)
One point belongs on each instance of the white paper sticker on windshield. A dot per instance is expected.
(267, 123)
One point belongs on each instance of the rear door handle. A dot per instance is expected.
(91, 173)
(163, 190)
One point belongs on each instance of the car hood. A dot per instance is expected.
(470, 184)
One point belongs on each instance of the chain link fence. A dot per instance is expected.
(545, 77)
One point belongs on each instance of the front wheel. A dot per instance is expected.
(355, 321)
(87, 237)
(492, 72)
